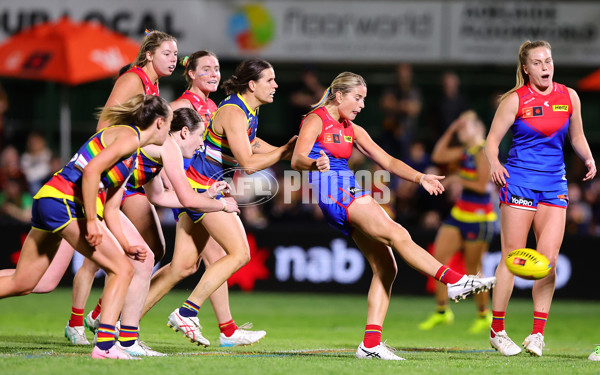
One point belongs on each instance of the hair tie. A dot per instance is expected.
(147, 32)
(185, 60)
(323, 98)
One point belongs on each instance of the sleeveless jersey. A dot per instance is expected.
(203, 172)
(149, 87)
(536, 159)
(204, 108)
(147, 168)
(336, 139)
(337, 189)
(472, 207)
(216, 144)
(66, 183)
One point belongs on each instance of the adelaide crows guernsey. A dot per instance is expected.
(66, 183)
(216, 162)
(217, 146)
(472, 207)
(147, 168)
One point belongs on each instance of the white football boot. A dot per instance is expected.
(190, 327)
(150, 352)
(242, 336)
(76, 335)
(138, 349)
(595, 356)
(469, 285)
(90, 323)
(503, 344)
(534, 344)
(381, 351)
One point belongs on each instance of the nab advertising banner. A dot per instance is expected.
(315, 258)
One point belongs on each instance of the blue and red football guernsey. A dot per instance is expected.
(337, 188)
(149, 87)
(204, 108)
(536, 159)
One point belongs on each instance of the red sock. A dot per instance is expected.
(497, 321)
(97, 310)
(372, 335)
(228, 328)
(447, 275)
(76, 317)
(539, 322)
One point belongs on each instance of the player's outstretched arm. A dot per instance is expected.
(365, 144)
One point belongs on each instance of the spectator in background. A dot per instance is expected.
(10, 168)
(307, 92)
(401, 105)
(3, 109)
(418, 158)
(579, 212)
(449, 105)
(15, 202)
(35, 161)
(592, 197)
(56, 164)
(406, 199)
(488, 117)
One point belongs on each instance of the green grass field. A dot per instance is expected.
(307, 334)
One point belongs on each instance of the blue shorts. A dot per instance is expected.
(528, 199)
(53, 214)
(130, 192)
(473, 232)
(336, 193)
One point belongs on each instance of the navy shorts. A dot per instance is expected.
(194, 215)
(472, 232)
(53, 214)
